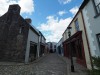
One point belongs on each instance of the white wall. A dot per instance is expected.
(32, 36)
(92, 27)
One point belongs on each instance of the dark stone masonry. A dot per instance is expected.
(13, 35)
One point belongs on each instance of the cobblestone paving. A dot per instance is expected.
(50, 64)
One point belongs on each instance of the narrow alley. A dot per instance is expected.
(51, 64)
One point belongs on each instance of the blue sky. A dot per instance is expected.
(51, 17)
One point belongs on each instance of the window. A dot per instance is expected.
(97, 6)
(77, 25)
(21, 29)
(98, 38)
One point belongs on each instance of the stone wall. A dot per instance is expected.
(13, 35)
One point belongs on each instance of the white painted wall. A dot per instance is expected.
(92, 27)
(32, 36)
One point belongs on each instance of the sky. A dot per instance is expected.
(51, 17)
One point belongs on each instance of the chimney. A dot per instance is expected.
(15, 8)
(28, 20)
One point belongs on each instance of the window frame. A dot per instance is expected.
(98, 36)
(77, 26)
(96, 10)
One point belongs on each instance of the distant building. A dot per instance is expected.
(19, 41)
(59, 47)
(52, 46)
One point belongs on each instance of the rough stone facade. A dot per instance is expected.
(13, 35)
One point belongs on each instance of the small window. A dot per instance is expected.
(98, 38)
(21, 29)
(97, 6)
(77, 25)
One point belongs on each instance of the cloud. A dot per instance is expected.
(27, 6)
(64, 1)
(74, 10)
(54, 27)
(60, 13)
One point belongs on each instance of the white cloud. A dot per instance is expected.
(55, 27)
(62, 13)
(27, 6)
(64, 1)
(74, 10)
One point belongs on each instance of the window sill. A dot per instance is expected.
(97, 15)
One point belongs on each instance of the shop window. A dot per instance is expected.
(77, 25)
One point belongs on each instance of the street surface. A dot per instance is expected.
(50, 64)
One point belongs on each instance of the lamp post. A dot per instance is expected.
(69, 34)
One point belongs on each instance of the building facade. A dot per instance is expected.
(78, 42)
(52, 46)
(92, 23)
(91, 15)
(85, 34)
(18, 39)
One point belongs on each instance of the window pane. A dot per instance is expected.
(77, 25)
(98, 37)
(97, 2)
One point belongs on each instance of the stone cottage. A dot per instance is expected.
(18, 39)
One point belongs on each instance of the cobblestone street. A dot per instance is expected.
(50, 64)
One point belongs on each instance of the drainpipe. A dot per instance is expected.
(87, 40)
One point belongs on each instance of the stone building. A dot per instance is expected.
(18, 39)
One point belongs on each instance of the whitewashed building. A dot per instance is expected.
(32, 48)
(52, 46)
(91, 15)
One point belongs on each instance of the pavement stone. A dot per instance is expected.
(79, 69)
(50, 64)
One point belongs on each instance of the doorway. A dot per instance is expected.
(33, 52)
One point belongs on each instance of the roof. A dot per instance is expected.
(42, 34)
